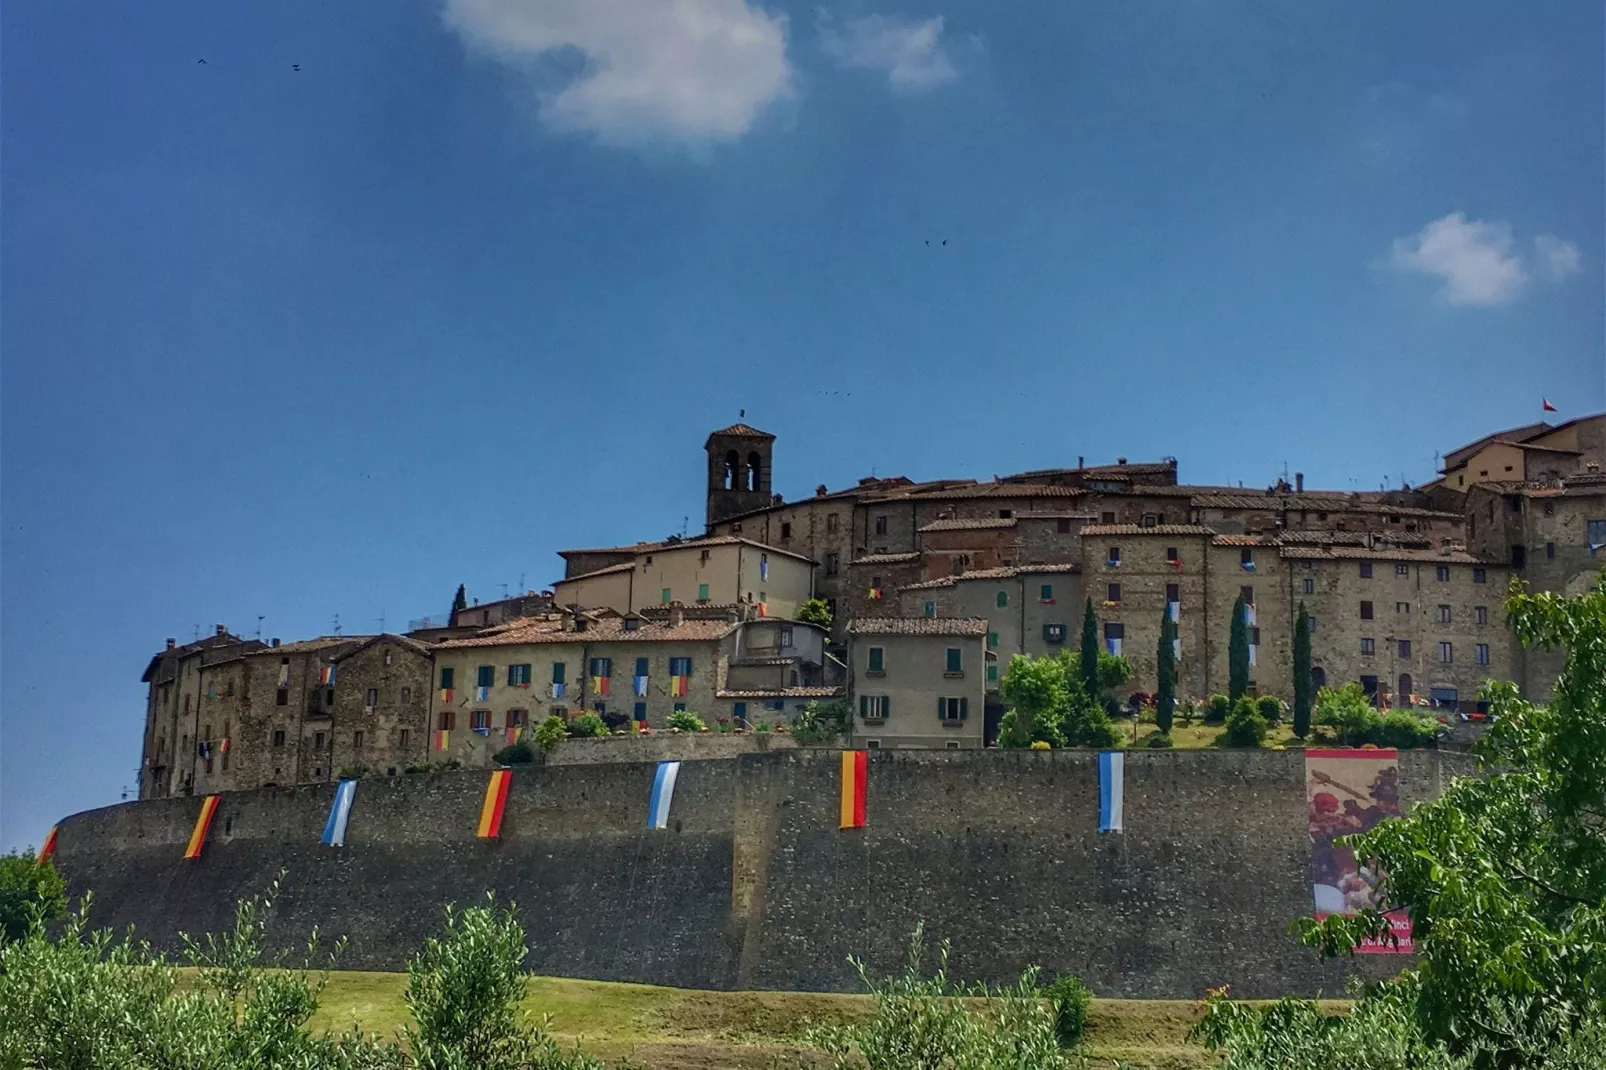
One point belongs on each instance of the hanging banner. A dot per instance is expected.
(663, 791)
(202, 823)
(855, 779)
(1112, 790)
(1347, 792)
(48, 851)
(334, 830)
(495, 802)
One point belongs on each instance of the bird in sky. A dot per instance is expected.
(297, 67)
(945, 241)
(201, 61)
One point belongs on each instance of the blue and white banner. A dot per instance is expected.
(334, 830)
(1112, 787)
(663, 790)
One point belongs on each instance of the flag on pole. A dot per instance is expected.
(1112, 789)
(334, 830)
(202, 823)
(1548, 407)
(663, 790)
(48, 850)
(495, 802)
(855, 778)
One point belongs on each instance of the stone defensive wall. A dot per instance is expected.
(753, 884)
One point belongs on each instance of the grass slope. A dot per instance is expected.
(683, 1029)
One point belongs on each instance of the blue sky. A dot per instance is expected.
(473, 284)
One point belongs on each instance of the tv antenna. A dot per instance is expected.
(197, 634)
(260, 619)
(504, 592)
(335, 623)
(381, 621)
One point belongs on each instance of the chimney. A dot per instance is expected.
(677, 614)
(171, 643)
(1299, 482)
(1120, 460)
(220, 629)
(1079, 459)
(819, 491)
(274, 641)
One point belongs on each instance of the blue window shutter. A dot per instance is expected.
(964, 708)
(942, 709)
(864, 705)
(641, 666)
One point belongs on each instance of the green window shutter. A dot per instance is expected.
(942, 709)
(992, 640)
(1003, 599)
(641, 666)
(702, 592)
(1046, 593)
(992, 674)
(886, 706)
(446, 677)
(557, 672)
(512, 675)
(931, 609)
(666, 597)
(864, 705)
(487, 676)
(877, 659)
(955, 660)
(964, 708)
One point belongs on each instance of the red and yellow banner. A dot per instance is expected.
(677, 686)
(1348, 792)
(47, 851)
(202, 824)
(512, 735)
(599, 685)
(443, 739)
(855, 777)
(495, 802)
(446, 696)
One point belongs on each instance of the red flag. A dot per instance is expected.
(1548, 406)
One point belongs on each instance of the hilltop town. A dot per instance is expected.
(931, 588)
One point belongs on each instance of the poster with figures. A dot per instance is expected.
(1346, 792)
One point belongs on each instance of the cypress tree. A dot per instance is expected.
(1165, 697)
(461, 601)
(1302, 680)
(1090, 651)
(1238, 653)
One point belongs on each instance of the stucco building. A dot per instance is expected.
(919, 681)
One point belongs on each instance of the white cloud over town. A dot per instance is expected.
(909, 51)
(1479, 262)
(690, 71)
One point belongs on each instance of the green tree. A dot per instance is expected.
(1302, 677)
(815, 611)
(26, 887)
(460, 600)
(1165, 695)
(1090, 650)
(1238, 652)
(1036, 692)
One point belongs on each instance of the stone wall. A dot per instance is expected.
(753, 885)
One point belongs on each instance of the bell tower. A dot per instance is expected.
(738, 471)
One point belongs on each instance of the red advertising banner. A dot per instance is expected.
(1346, 792)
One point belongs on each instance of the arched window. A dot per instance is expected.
(1318, 678)
(733, 464)
(752, 471)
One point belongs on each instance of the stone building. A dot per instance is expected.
(919, 681)
(380, 719)
(723, 570)
(178, 681)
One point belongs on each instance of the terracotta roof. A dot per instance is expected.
(740, 430)
(1579, 486)
(607, 631)
(978, 523)
(1062, 566)
(983, 574)
(1139, 529)
(1396, 539)
(954, 626)
(768, 661)
(623, 566)
(400, 640)
(885, 559)
(990, 490)
(1240, 540)
(800, 691)
(309, 646)
(1536, 446)
(668, 545)
(1359, 553)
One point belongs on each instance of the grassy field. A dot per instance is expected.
(1199, 735)
(671, 1028)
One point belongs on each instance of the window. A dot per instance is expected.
(480, 720)
(447, 674)
(1045, 594)
(559, 670)
(1114, 593)
(931, 609)
(1367, 646)
(370, 698)
(630, 624)
(956, 660)
(278, 737)
(786, 636)
(1366, 570)
(1366, 611)
(517, 718)
(1063, 525)
(881, 525)
(1479, 576)
(1150, 520)
(1519, 556)
(702, 592)
(329, 696)
(1595, 534)
(1053, 633)
(447, 720)
(952, 710)
(406, 695)
(1444, 614)
(677, 708)
(1114, 557)
(1550, 551)
(1442, 573)
(1402, 609)
(1107, 518)
(874, 707)
(356, 740)
(1404, 646)
(1002, 599)
(666, 596)
(485, 676)
(1246, 557)
(402, 736)
(1005, 514)
(1114, 633)
(832, 563)
(830, 523)
(318, 740)
(1483, 653)
(599, 667)
(1171, 554)
(518, 675)
(703, 557)
(992, 640)
(1480, 614)
(1311, 624)
(1173, 592)
(1247, 594)
(1446, 653)
(1307, 586)
(786, 529)
(282, 697)
(992, 674)
(1402, 570)
(1254, 637)
(679, 666)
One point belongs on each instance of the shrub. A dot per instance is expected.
(1187, 710)
(820, 722)
(1070, 999)
(1245, 726)
(550, 732)
(762, 726)
(1216, 712)
(26, 887)
(1402, 729)
(1104, 735)
(1270, 707)
(587, 726)
(520, 753)
(686, 721)
(616, 721)
(1160, 741)
(354, 772)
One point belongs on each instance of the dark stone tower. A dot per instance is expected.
(738, 471)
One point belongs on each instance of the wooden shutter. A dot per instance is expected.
(864, 705)
(964, 708)
(942, 709)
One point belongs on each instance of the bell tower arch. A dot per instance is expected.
(739, 459)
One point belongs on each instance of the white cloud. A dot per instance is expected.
(910, 51)
(654, 70)
(1560, 258)
(1472, 257)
